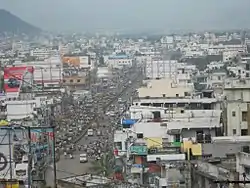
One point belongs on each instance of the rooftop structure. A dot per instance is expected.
(164, 88)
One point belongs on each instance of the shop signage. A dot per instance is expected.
(139, 150)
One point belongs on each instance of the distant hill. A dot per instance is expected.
(13, 24)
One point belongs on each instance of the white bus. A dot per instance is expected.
(21, 171)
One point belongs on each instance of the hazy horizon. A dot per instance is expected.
(128, 15)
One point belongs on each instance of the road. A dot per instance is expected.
(72, 167)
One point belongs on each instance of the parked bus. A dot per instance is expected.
(21, 171)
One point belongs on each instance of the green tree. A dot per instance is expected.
(104, 166)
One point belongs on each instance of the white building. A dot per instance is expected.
(161, 69)
(26, 108)
(118, 61)
(237, 97)
(47, 72)
(103, 72)
(41, 53)
(167, 93)
(165, 88)
(242, 166)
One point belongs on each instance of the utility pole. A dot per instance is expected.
(54, 158)
(10, 153)
(29, 159)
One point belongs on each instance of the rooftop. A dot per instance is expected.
(90, 180)
(119, 57)
(175, 119)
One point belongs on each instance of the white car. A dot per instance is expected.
(90, 132)
(83, 158)
(99, 133)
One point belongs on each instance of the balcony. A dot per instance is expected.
(243, 158)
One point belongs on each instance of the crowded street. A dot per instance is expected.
(95, 140)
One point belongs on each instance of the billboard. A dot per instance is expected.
(14, 76)
(139, 150)
(42, 143)
(71, 61)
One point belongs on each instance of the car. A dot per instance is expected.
(90, 132)
(83, 158)
(99, 133)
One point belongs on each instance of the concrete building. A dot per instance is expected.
(103, 72)
(22, 108)
(169, 94)
(48, 72)
(164, 88)
(242, 166)
(78, 62)
(40, 53)
(157, 68)
(237, 97)
(118, 61)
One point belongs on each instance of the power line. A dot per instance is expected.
(22, 79)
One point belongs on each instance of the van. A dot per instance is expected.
(90, 132)
(83, 158)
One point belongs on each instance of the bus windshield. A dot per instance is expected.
(21, 172)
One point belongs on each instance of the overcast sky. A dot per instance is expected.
(137, 15)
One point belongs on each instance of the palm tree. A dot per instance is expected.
(104, 166)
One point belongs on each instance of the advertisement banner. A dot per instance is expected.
(139, 150)
(14, 76)
(42, 143)
(71, 61)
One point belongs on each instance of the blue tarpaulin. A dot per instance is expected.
(128, 121)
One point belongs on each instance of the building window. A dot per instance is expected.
(177, 138)
(244, 132)
(177, 95)
(247, 170)
(186, 94)
(64, 81)
(118, 145)
(126, 145)
(233, 113)
(78, 80)
(244, 116)
(234, 131)
(163, 95)
(71, 81)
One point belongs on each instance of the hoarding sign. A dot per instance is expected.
(139, 150)
(42, 142)
(13, 77)
(71, 61)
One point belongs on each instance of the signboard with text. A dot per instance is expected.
(139, 150)
(42, 142)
